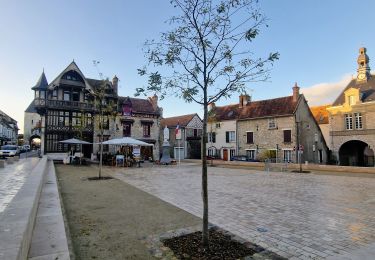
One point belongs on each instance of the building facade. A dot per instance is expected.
(351, 118)
(8, 129)
(75, 106)
(274, 129)
(191, 128)
(222, 131)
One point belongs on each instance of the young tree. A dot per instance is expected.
(207, 50)
(105, 109)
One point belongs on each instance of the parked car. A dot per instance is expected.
(9, 151)
(242, 158)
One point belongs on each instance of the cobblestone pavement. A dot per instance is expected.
(12, 177)
(298, 216)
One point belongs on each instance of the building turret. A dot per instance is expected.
(40, 87)
(363, 66)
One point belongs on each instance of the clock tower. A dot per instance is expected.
(363, 66)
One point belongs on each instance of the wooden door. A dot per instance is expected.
(225, 154)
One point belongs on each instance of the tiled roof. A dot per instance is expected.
(229, 112)
(42, 82)
(95, 83)
(367, 89)
(138, 105)
(31, 108)
(320, 114)
(173, 121)
(257, 109)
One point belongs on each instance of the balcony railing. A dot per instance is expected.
(40, 102)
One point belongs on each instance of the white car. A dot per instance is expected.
(9, 151)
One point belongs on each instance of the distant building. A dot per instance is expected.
(352, 124)
(8, 129)
(189, 146)
(222, 131)
(68, 107)
(271, 128)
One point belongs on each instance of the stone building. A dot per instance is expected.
(69, 107)
(277, 127)
(274, 128)
(222, 131)
(352, 124)
(189, 146)
(8, 129)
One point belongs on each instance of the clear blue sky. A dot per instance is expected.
(318, 42)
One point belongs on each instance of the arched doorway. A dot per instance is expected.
(356, 153)
(34, 142)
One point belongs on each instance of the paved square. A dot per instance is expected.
(299, 216)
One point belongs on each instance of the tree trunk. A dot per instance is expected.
(204, 180)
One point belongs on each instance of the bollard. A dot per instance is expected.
(2, 163)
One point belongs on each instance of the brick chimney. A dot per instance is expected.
(115, 84)
(154, 101)
(295, 93)
(244, 99)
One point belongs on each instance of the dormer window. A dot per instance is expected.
(54, 94)
(73, 76)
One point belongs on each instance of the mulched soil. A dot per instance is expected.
(221, 246)
(103, 178)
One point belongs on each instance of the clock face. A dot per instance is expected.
(361, 76)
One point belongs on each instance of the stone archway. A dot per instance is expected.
(356, 153)
(34, 141)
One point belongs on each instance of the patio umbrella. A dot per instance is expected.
(127, 141)
(75, 141)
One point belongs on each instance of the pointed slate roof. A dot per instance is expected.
(72, 66)
(42, 83)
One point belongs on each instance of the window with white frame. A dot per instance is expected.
(271, 123)
(230, 136)
(358, 120)
(211, 137)
(250, 154)
(212, 152)
(218, 125)
(348, 122)
(287, 155)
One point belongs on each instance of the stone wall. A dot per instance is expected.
(30, 121)
(310, 135)
(265, 138)
(116, 131)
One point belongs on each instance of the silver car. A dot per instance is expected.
(9, 151)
